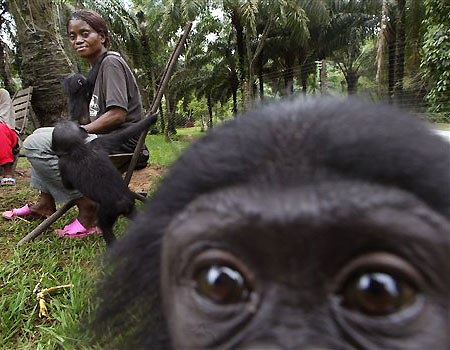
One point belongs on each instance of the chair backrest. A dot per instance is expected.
(22, 107)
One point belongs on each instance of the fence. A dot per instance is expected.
(325, 78)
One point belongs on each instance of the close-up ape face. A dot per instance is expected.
(302, 225)
(252, 267)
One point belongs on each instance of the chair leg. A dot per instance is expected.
(44, 225)
(140, 196)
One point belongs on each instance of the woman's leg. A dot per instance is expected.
(45, 177)
(87, 211)
(8, 170)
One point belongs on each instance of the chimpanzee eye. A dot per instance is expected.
(221, 284)
(378, 294)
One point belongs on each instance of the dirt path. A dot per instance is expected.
(140, 181)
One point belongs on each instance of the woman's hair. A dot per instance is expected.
(94, 20)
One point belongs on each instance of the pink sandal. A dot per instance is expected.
(24, 212)
(76, 230)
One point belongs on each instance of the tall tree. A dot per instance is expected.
(400, 49)
(352, 23)
(43, 61)
(436, 57)
(5, 30)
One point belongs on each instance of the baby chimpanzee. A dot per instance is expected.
(79, 89)
(305, 224)
(87, 168)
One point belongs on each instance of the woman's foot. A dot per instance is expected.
(76, 230)
(43, 208)
(24, 212)
(84, 224)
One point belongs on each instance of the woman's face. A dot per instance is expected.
(86, 42)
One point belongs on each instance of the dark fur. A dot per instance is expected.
(87, 168)
(78, 89)
(295, 191)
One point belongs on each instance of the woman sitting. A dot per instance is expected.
(115, 103)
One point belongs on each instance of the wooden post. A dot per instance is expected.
(155, 105)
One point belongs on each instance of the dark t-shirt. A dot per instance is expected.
(116, 86)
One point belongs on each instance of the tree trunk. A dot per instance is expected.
(289, 73)
(170, 106)
(391, 71)
(161, 118)
(401, 37)
(210, 112)
(289, 81)
(5, 74)
(261, 76)
(304, 77)
(323, 77)
(240, 45)
(381, 45)
(235, 107)
(44, 64)
(352, 82)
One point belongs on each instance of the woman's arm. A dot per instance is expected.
(107, 122)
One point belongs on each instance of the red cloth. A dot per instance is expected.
(8, 140)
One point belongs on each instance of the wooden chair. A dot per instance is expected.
(21, 102)
(23, 109)
(126, 161)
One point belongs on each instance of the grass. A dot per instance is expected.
(54, 261)
(163, 153)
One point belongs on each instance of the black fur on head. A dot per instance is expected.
(352, 153)
(67, 135)
(79, 90)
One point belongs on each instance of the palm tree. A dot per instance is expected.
(5, 29)
(352, 23)
(400, 43)
(285, 17)
(39, 43)
(383, 38)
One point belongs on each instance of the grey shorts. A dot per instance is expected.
(45, 175)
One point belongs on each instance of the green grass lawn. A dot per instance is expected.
(55, 261)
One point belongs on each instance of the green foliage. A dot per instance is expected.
(54, 261)
(199, 109)
(163, 153)
(436, 57)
